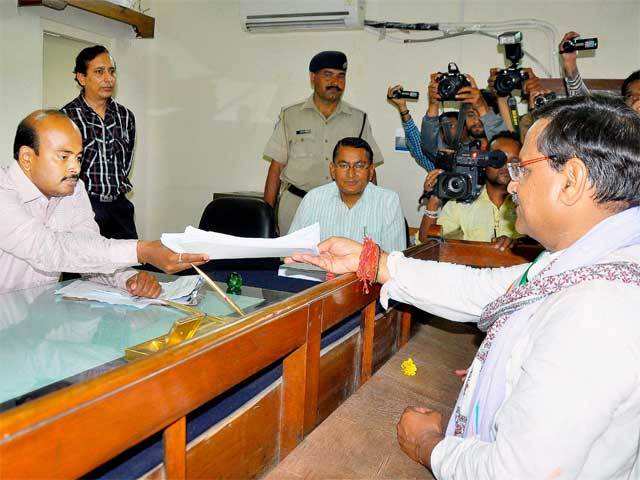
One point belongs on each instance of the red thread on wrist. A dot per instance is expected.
(369, 263)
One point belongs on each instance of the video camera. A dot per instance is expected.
(542, 100)
(510, 78)
(464, 174)
(450, 83)
(406, 94)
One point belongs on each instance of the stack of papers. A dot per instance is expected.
(303, 271)
(220, 246)
(183, 290)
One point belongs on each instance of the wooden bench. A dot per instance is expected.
(358, 440)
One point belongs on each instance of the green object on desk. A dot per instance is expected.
(234, 284)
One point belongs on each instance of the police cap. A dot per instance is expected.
(328, 59)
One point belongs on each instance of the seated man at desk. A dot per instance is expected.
(554, 390)
(489, 218)
(48, 225)
(351, 206)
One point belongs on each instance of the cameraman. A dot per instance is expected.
(575, 85)
(489, 218)
(411, 132)
(480, 120)
(448, 122)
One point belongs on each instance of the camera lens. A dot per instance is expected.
(455, 186)
(504, 84)
(446, 88)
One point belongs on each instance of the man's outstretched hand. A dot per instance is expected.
(167, 260)
(340, 255)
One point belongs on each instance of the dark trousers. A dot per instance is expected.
(115, 219)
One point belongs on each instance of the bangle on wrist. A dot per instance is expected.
(432, 213)
(403, 113)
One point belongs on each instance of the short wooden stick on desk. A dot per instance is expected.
(218, 290)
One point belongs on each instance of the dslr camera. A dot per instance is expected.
(542, 100)
(511, 78)
(464, 174)
(450, 83)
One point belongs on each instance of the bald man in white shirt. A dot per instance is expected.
(48, 224)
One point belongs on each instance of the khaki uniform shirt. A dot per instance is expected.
(303, 141)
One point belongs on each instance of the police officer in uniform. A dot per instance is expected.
(301, 146)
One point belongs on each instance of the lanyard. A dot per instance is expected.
(523, 278)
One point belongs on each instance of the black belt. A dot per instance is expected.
(298, 192)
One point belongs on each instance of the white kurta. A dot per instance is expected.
(572, 403)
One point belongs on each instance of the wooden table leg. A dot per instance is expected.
(293, 399)
(175, 450)
(366, 332)
(314, 333)
(405, 328)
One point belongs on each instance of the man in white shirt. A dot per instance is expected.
(351, 206)
(48, 225)
(554, 391)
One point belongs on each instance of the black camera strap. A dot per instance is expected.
(513, 112)
(454, 142)
(364, 121)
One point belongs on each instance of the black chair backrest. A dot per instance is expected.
(240, 216)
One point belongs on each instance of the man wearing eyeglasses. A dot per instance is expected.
(299, 150)
(554, 390)
(352, 206)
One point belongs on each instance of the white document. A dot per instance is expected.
(220, 246)
(303, 271)
(181, 290)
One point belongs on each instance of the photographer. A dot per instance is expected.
(481, 122)
(575, 85)
(489, 218)
(411, 132)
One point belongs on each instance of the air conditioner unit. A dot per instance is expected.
(291, 15)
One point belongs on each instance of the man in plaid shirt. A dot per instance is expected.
(108, 136)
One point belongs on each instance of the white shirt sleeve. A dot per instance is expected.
(575, 405)
(81, 249)
(454, 292)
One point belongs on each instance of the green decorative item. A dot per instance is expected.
(234, 284)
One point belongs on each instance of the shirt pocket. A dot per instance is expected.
(303, 166)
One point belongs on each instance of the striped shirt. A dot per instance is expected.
(414, 144)
(377, 212)
(575, 85)
(107, 147)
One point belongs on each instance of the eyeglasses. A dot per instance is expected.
(517, 170)
(358, 167)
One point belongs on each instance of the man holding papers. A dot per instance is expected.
(48, 225)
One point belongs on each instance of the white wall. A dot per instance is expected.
(206, 94)
(59, 60)
(21, 73)
(216, 91)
